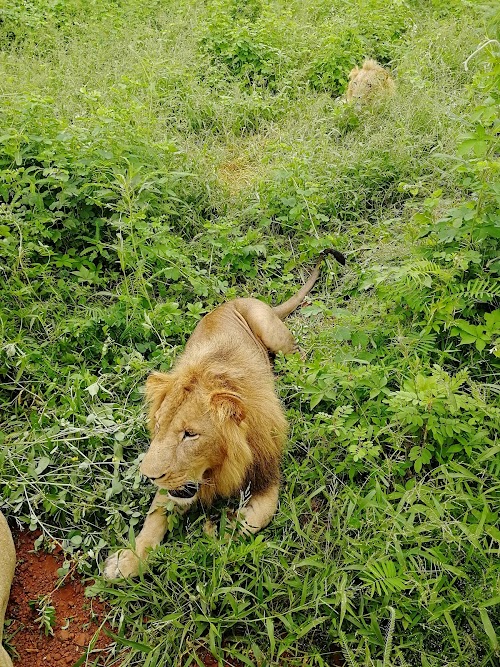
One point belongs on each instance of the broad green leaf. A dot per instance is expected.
(488, 628)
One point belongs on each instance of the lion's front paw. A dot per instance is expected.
(121, 565)
(238, 525)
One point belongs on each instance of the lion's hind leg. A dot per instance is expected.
(266, 325)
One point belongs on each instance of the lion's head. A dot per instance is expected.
(368, 81)
(198, 435)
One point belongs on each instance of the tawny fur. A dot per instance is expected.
(215, 420)
(218, 389)
(368, 82)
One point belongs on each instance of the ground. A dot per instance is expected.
(77, 621)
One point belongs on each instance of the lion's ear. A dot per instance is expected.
(157, 387)
(227, 405)
(353, 73)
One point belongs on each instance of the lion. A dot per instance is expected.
(217, 426)
(7, 566)
(368, 82)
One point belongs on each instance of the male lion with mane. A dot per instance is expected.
(368, 82)
(217, 427)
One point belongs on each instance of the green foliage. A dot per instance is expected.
(19, 19)
(459, 270)
(119, 229)
(446, 422)
(85, 191)
(244, 52)
(339, 55)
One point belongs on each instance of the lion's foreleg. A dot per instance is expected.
(126, 563)
(259, 511)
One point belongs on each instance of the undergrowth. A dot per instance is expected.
(158, 159)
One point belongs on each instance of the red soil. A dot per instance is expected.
(209, 661)
(77, 619)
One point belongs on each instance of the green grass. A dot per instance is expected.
(159, 158)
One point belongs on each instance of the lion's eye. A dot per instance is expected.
(190, 435)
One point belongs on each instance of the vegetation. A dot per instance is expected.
(157, 158)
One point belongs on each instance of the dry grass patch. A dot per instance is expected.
(237, 174)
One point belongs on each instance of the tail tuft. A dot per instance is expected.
(294, 302)
(338, 255)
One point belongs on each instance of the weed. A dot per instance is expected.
(46, 619)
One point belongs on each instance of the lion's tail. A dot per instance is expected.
(284, 309)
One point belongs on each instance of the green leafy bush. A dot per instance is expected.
(82, 191)
(339, 54)
(456, 270)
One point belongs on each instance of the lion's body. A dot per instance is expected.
(225, 355)
(368, 82)
(217, 426)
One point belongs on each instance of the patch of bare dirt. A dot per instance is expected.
(209, 661)
(76, 619)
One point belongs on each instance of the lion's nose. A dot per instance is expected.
(152, 465)
(153, 479)
(156, 478)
